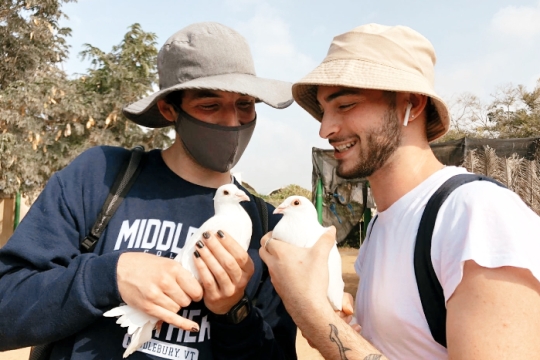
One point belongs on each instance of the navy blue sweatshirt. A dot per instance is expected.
(50, 292)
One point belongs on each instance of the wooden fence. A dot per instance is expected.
(7, 216)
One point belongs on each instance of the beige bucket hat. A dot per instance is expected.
(377, 57)
(211, 56)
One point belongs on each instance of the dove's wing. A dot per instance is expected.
(305, 233)
(298, 231)
(139, 324)
(118, 311)
(236, 225)
(130, 317)
(243, 227)
(231, 217)
(138, 338)
(186, 256)
(234, 220)
(187, 250)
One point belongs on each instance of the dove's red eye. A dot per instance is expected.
(225, 192)
(296, 202)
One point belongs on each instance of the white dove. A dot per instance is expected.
(230, 217)
(299, 226)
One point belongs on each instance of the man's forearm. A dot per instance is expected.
(334, 338)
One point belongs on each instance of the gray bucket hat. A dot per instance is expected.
(207, 56)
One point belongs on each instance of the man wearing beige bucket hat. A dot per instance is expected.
(374, 96)
(51, 292)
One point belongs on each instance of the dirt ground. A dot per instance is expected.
(305, 352)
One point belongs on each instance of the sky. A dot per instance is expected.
(480, 45)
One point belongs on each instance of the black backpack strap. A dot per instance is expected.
(263, 213)
(431, 291)
(123, 182)
(262, 209)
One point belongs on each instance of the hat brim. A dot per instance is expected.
(365, 75)
(275, 93)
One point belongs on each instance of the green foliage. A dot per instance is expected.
(276, 197)
(514, 112)
(48, 118)
(31, 39)
(118, 78)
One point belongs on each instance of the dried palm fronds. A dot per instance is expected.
(472, 162)
(529, 189)
(520, 175)
(491, 163)
(513, 172)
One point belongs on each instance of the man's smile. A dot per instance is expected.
(344, 147)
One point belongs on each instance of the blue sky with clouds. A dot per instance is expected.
(480, 44)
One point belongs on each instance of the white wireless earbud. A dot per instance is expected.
(407, 114)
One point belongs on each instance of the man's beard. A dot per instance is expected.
(380, 144)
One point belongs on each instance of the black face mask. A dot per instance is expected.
(214, 147)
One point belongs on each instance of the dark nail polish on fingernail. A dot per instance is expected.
(194, 329)
(197, 255)
(206, 235)
(220, 234)
(199, 244)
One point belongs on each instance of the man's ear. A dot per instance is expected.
(419, 103)
(167, 110)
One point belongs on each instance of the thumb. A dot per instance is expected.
(348, 304)
(326, 241)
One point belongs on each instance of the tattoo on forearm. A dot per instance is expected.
(373, 357)
(334, 337)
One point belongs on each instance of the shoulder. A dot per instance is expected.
(489, 224)
(92, 172)
(100, 156)
(487, 208)
(487, 197)
(95, 162)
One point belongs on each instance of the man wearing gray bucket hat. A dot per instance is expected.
(471, 288)
(51, 292)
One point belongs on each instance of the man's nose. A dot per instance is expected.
(329, 126)
(230, 117)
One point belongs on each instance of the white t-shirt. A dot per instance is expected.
(479, 221)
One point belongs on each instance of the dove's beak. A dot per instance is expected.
(242, 195)
(279, 210)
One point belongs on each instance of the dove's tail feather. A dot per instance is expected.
(138, 338)
(139, 324)
(131, 317)
(117, 311)
(335, 293)
(134, 344)
(336, 304)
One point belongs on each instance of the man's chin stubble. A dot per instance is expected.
(356, 172)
